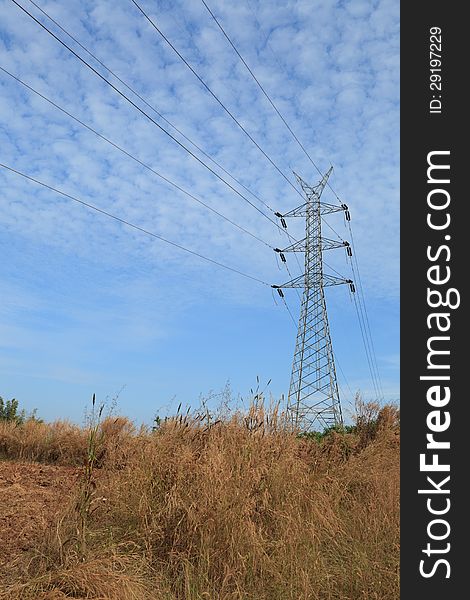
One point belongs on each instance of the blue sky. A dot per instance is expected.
(88, 305)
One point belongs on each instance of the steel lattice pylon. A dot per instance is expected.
(313, 401)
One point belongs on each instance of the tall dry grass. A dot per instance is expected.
(235, 509)
(60, 443)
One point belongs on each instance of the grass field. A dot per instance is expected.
(237, 508)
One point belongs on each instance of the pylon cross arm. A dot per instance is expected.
(299, 282)
(326, 244)
(296, 246)
(325, 209)
(332, 280)
(300, 211)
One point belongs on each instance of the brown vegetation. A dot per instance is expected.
(238, 509)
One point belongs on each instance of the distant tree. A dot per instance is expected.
(9, 412)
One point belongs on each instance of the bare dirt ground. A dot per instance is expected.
(31, 496)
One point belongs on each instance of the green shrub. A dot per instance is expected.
(9, 412)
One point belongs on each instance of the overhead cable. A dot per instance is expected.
(205, 85)
(137, 160)
(132, 225)
(142, 111)
(157, 112)
(261, 87)
(363, 309)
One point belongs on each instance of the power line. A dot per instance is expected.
(370, 356)
(142, 99)
(362, 315)
(199, 78)
(289, 311)
(290, 277)
(265, 93)
(333, 269)
(362, 300)
(132, 225)
(366, 348)
(266, 41)
(148, 117)
(344, 377)
(151, 119)
(140, 162)
(261, 87)
(269, 98)
(332, 229)
(362, 312)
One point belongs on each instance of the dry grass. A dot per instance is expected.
(239, 509)
(60, 443)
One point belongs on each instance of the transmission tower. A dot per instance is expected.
(313, 399)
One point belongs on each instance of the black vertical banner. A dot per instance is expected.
(434, 328)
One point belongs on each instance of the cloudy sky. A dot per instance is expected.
(90, 305)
